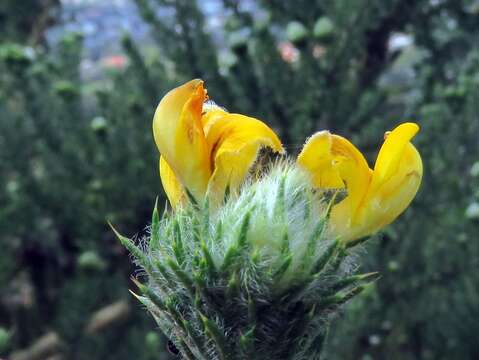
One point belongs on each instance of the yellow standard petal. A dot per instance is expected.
(389, 157)
(172, 186)
(234, 141)
(396, 179)
(179, 136)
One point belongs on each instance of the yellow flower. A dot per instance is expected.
(204, 148)
(374, 197)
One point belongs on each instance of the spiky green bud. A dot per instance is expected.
(257, 277)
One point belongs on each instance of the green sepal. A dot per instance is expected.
(219, 232)
(232, 288)
(171, 303)
(196, 228)
(280, 204)
(212, 329)
(341, 297)
(229, 258)
(197, 301)
(236, 249)
(227, 194)
(285, 242)
(341, 254)
(165, 273)
(133, 249)
(247, 341)
(351, 281)
(155, 227)
(243, 234)
(182, 276)
(197, 341)
(184, 349)
(150, 294)
(325, 258)
(313, 240)
(282, 268)
(177, 246)
(205, 219)
(210, 266)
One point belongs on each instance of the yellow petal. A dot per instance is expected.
(234, 141)
(334, 163)
(173, 189)
(317, 158)
(392, 150)
(179, 136)
(383, 205)
(395, 181)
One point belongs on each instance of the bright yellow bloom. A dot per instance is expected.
(204, 148)
(374, 197)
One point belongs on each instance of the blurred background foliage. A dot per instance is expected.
(76, 150)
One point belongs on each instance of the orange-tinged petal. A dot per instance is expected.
(179, 136)
(234, 141)
(172, 186)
